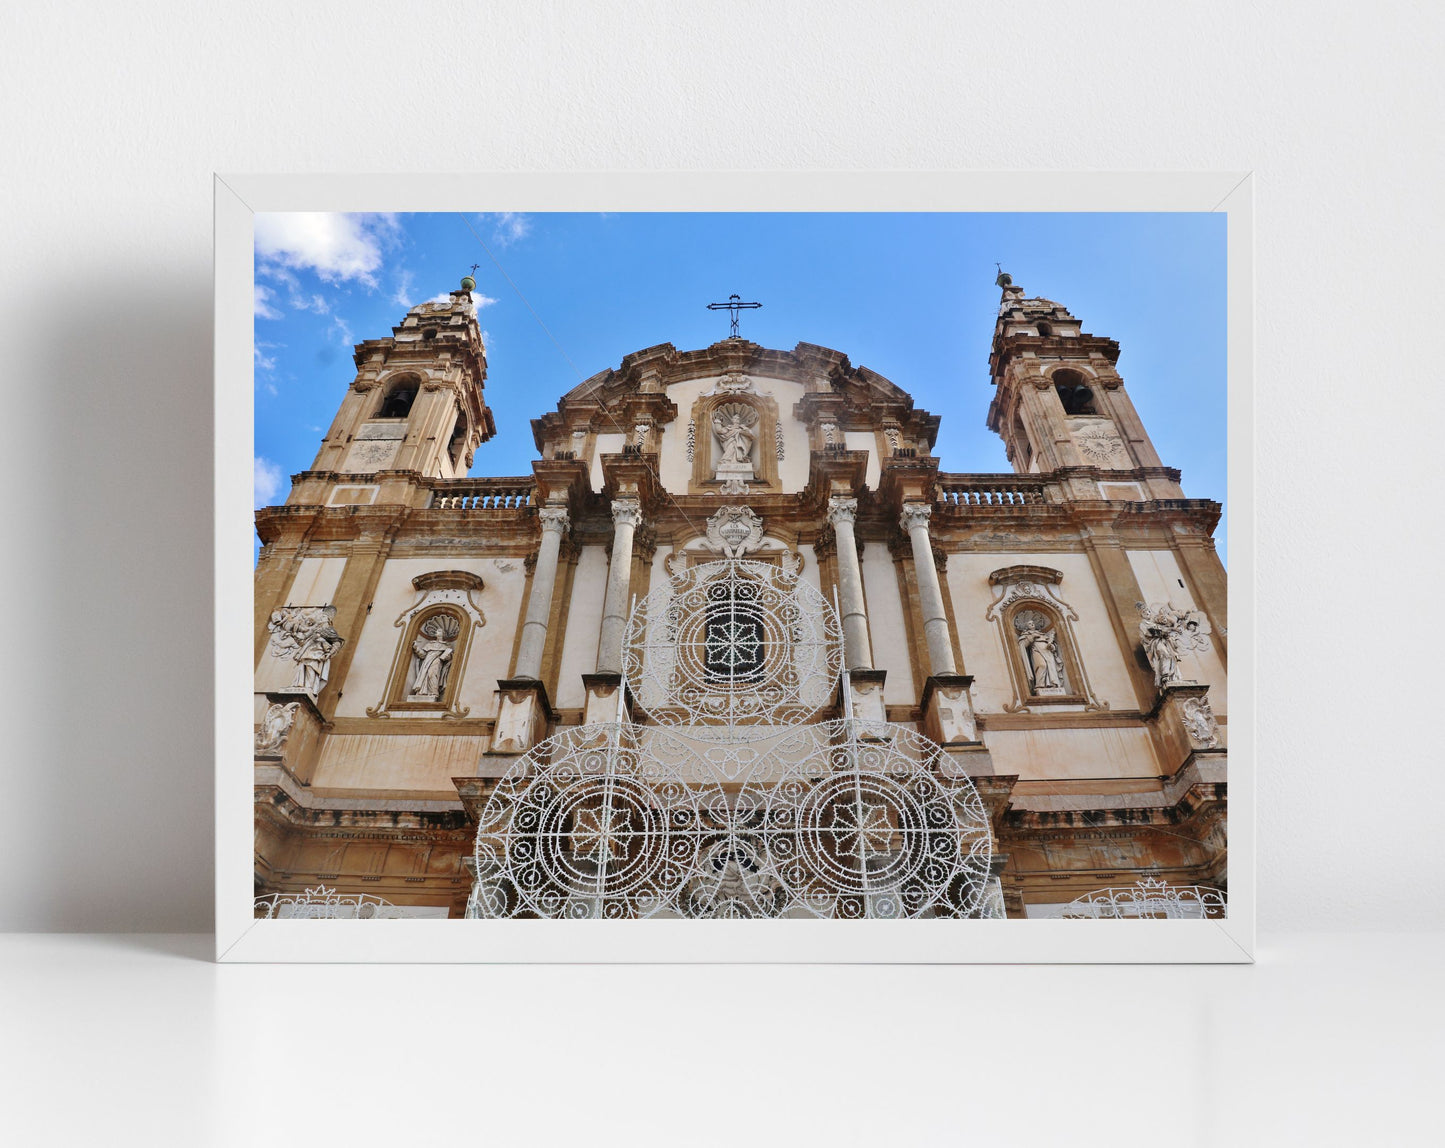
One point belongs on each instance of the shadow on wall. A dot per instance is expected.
(115, 783)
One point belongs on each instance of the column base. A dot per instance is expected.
(522, 716)
(606, 699)
(948, 709)
(867, 694)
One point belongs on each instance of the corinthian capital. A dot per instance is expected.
(915, 514)
(554, 518)
(627, 512)
(842, 509)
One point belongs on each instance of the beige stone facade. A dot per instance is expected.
(456, 621)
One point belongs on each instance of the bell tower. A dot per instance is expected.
(1060, 403)
(416, 404)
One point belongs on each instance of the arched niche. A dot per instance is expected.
(708, 447)
(1075, 391)
(430, 662)
(396, 396)
(1036, 629)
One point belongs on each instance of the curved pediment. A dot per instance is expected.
(637, 389)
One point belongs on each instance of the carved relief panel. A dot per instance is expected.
(1099, 443)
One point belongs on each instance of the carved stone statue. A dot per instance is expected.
(432, 657)
(1039, 645)
(735, 425)
(304, 634)
(275, 726)
(1167, 634)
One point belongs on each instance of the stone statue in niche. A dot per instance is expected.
(275, 726)
(1039, 645)
(735, 425)
(432, 657)
(1167, 633)
(304, 634)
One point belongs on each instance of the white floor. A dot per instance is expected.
(1329, 1039)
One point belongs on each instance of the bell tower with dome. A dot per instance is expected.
(416, 404)
(1060, 402)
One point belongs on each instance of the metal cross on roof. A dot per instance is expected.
(732, 307)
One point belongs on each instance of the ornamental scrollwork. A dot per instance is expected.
(276, 726)
(735, 531)
(1200, 723)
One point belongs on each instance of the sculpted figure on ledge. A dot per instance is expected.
(1167, 633)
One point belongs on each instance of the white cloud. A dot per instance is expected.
(509, 226)
(267, 481)
(402, 296)
(341, 329)
(262, 303)
(337, 247)
(263, 361)
(478, 300)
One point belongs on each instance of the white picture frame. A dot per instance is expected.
(242, 938)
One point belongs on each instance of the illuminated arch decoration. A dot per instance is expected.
(735, 800)
(1149, 899)
(846, 819)
(320, 904)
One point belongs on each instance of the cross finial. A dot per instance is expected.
(732, 307)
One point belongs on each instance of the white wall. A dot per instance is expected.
(115, 116)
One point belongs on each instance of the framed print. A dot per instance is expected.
(734, 566)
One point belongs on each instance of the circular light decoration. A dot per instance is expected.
(867, 819)
(842, 819)
(602, 820)
(731, 648)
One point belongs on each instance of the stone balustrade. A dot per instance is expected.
(990, 490)
(484, 494)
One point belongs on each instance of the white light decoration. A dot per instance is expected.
(320, 904)
(736, 802)
(732, 647)
(1150, 899)
(840, 819)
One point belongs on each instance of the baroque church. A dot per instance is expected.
(739, 645)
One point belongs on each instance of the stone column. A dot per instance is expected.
(857, 651)
(539, 605)
(930, 594)
(626, 518)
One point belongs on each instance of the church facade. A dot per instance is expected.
(1057, 635)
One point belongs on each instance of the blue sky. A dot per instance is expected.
(910, 295)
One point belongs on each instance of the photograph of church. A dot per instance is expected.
(739, 641)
